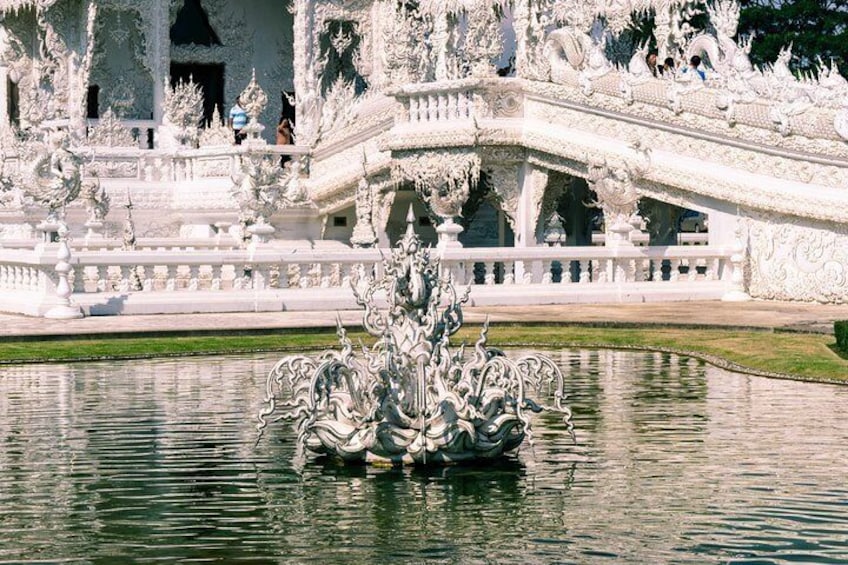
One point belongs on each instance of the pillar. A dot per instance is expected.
(4, 98)
(159, 41)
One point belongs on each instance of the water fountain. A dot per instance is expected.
(409, 398)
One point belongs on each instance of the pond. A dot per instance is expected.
(675, 462)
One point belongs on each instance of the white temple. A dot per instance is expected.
(539, 152)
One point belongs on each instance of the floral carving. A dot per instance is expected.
(792, 262)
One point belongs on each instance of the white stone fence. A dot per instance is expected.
(447, 102)
(109, 281)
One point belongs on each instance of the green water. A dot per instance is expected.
(675, 462)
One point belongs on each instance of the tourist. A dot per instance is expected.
(284, 137)
(237, 121)
(694, 68)
(284, 132)
(668, 67)
(651, 60)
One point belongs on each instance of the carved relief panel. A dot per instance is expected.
(119, 67)
(790, 261)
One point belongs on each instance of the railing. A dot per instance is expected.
(182, 165)
(642, 238)
(586, 265)
(440, 102)
(155, 281)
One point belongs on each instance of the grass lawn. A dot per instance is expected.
(804, 355)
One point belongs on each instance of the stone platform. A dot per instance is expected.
(757, 314)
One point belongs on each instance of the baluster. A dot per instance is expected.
(305, 275)
(656, 265)
(194, 277)
(595, 270)
(217, 275)
(712, 271)
(547, 275)
(432, 108)
(77, 276)
(100, 276)
(26, 278)
(345, 274)
(124, 280)
(585, 274)
(4, 276)
(701, 264)
(452, 105)
(413, 109)
(489, 272)
(633, 271)
(461, 105)
(262, 277)
(691, 269)
(238, 277)
(283, 282)
(509, 272)
(674, 274)
(144, 277)
(170, 278)
(320, 276)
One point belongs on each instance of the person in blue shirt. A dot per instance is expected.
(237, 121)
(695, 67)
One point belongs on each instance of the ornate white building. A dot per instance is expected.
(487, 116)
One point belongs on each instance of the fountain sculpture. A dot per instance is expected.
(411, 399)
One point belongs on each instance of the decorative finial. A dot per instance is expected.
(410, 222)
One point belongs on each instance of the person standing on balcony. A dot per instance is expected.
(651, 60)
(694, 68)
(668, 68)
(237, 121)
(284, 137)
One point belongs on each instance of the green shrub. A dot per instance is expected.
(840, 328)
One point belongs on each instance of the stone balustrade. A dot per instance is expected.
(110, 281)
(447, 102)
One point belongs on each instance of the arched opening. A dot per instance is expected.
(192, 26)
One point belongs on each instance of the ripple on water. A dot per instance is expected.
(676, 462)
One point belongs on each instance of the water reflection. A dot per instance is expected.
(675, 462)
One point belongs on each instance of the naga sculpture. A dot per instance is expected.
(409, 398)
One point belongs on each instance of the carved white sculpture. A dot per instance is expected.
(260, 188)
(52, 178)
(97, 202)
(184, 110)
(783, 155)
(254, 100)
(443, 179)
(411, 399)
(111, 132)
(363, 232)
(617, 196)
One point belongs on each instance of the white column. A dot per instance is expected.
(4, 75)
(440, 43)
(4, 98)
(521, 26)
(525, 228)
(525, 224)
(159, 42)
